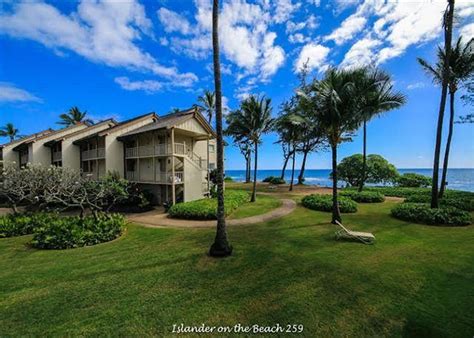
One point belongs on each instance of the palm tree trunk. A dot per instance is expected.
(220, 247)
(364, 158)
(448, 32)
(303, 167)
(293, 170)
(249, 167)
(254, 191)
(336, 214)
(448, 145)
(285, 163)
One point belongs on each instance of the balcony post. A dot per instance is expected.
(173, 191)
(153, 158)
(138, 161)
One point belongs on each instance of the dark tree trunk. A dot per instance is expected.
(336, 214)
(285, 163)
(220, 247)
(448, 32)
(303, 167)
(293, 170)
(448, 145)
(364, 158)
(249, 167)
(254, 190)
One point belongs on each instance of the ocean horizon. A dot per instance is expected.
(457, 178)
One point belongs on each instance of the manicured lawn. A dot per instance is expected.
(416, 280)
(262, 205)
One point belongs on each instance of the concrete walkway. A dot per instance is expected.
(159, 219)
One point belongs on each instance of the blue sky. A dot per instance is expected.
(125, 58)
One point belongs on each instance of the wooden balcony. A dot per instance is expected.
(157, 150)
(93, 154)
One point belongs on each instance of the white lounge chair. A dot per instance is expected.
(364, 237)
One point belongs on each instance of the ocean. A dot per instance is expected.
(458, 179)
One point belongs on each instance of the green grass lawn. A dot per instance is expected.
(262, 205)
(416, 280)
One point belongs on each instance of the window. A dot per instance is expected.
(212, 166)
(212, 148)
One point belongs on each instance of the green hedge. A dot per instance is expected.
(21, 224)
(405, 192)
(466, 204)
(324, 203)
(364, 196)
(274, 180)
(73, 232)
(422, 213)
(413, 180)
(207, 208)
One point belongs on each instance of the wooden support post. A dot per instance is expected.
(154, 159)
(138, 163)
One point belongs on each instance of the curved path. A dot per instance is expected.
(159, 219)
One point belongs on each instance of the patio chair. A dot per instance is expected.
(364, 237)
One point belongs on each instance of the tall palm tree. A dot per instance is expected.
(448, 35)
(9, 131)
(73, 116)
(334, 100)
(376, 97)
(251, 121)
(208, 104)
(221, 246)
(461, 69)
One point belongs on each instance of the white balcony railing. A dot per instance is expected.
(157, 150)
(57, 156)
(159, 177)
(93, 154)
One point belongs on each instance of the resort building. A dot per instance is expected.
(170, 156)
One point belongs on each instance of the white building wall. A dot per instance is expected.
(192, 182)
(10, 157)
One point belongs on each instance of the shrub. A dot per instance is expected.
(228, 179)
(73, 232)
(379, 170)
(413, 180)
(422, 213)
(137, 200)
(364, 196)
(466, 204)
(21, 224)
(324, 203)
(207, 208)
(274, 180)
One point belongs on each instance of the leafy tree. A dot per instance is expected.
(221, 246)
(239, 138)
(208, 104)
(376, 96)
(461, 68)
(379, 170)
(9, 131)
(448, 35)
(73, 116)
(250, 122)
(413, 180)
(334, 100)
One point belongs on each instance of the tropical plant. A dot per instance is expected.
(461, 69)
(334, 101)
(448, 35)
(241, 141)
(208, 104)
(9, 131)
(73, 116)
(221, 246)
(376, 96)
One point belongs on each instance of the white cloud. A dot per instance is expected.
(149, 86)
(361, 53)
(349, 28)
(467, 31)
(284, 10)
(310, 23)
(315, 55)
(173, 22)
(11, 93)
(416, 85)
(298, 38)
(103, 32)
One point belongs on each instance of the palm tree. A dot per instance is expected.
(221, 246)
(334, 100)
(73, 116)
(376, 96)
(461, 69)
(208, 104)
(10, 131)
(448, 34)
